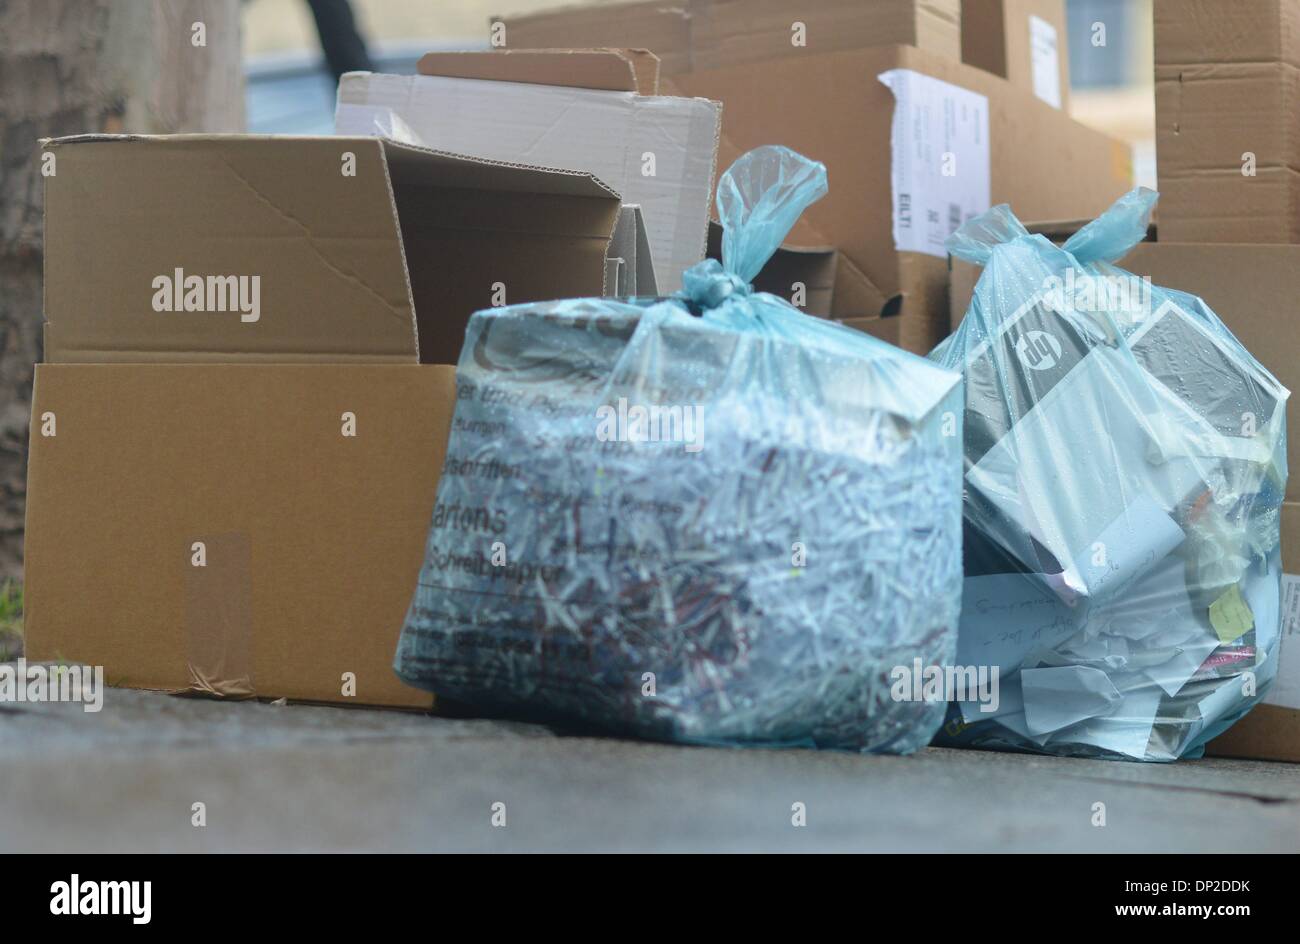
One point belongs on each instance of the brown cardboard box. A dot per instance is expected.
(1199, 32)
(612, 70)
(704, 34)
(1023, 41)
(1041, 162)
(803, 275)
(236, 500)
(1228, 96)
(1269, 732)
(1272, 730)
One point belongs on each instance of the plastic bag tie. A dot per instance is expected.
(1110, 236)
(760, 198)
(975, 239)
(707, 284)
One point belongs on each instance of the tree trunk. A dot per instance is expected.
(74, 66)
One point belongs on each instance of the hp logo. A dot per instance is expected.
(1038, 350)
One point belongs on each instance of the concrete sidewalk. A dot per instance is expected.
(307, 778)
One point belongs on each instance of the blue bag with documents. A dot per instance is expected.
(1125, 463)
(707, 518)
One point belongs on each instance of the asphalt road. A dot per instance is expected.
(295, 777)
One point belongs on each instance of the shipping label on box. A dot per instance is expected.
(1045, 61)
(940, 167)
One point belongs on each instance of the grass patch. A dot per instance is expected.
(11, 620)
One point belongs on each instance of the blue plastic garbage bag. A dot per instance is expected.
(1124, 471)
(709, 518)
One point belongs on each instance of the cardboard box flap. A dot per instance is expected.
(480, 232)
(855, 295)
(656, 151)
(250, 248)
(430, 168)
(803, 275)
(614, 70)
(629, 257)
(212, 247)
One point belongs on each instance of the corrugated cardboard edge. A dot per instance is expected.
(703, 246)
(646, 67)
(536, 168)
(608, 69)
(719, 140)
(631, 248)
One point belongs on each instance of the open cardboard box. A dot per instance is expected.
(235, 500)
(583, 109)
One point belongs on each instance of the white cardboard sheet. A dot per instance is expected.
(620, 137)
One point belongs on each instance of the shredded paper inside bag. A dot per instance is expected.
(707, 518)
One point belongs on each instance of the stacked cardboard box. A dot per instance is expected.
(915, 140)
(1228, 120)
(1021, 40)
(688, 35)
(1228, 159)
(247, 392)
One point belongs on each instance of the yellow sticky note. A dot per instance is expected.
(1230, 614)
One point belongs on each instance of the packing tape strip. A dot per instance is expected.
(219, 616)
